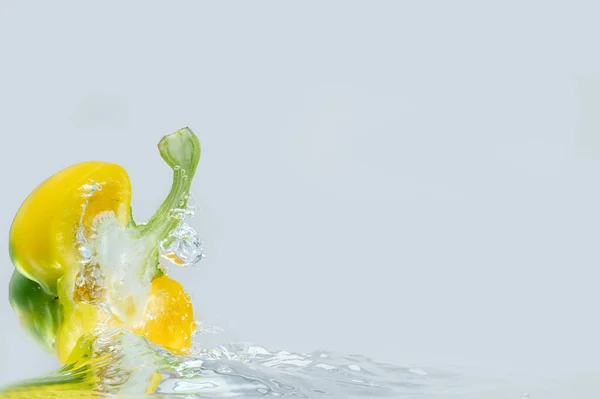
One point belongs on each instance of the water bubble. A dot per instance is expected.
(182, 213)
(176, 167)
(188, 210)
(85, 252)
(182, 247)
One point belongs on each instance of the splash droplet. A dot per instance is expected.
(182, 247)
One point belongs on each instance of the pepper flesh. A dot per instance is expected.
(168, 316)
(43, 233)
(74, 240)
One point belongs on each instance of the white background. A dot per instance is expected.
(414, 181)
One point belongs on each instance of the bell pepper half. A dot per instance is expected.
(83, 265)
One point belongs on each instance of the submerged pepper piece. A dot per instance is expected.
(75, 240)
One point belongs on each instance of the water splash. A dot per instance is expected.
(248, 370)
(90, 280)
(85, 250)
(124, 364)
(183, 246)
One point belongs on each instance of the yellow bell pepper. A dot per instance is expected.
(83, 265)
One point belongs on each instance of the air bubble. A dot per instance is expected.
(187, 212)
(85, 252)
(182, 247)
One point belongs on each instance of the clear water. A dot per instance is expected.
(124, 363)
(183, 246)
(247, 370)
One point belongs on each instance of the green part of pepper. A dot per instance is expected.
(38, 312)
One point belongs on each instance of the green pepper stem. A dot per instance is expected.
(181, 151)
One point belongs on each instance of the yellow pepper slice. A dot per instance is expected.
(168, 317)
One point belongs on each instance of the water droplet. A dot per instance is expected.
(182, 213)
(187, 211)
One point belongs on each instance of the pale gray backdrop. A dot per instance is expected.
(414, 181)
